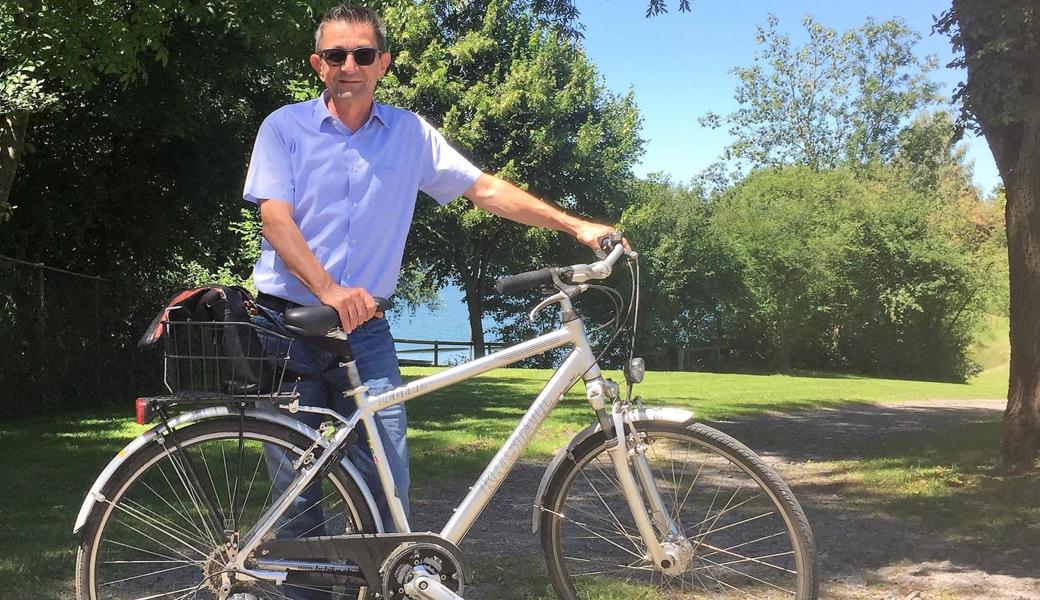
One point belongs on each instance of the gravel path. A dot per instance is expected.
(864, 554)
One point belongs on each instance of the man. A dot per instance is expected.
(336, 180)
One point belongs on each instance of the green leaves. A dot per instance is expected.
(846, 270)
(838, 98)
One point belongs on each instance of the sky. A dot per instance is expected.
(678, 64)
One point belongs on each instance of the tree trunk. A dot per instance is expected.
(475, 304)
(1016, 148)
(13, 126)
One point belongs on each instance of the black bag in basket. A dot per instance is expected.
(211, 343)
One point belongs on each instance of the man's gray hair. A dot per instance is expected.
(352, 13)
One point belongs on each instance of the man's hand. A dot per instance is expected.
(354, 305)
(591, 233)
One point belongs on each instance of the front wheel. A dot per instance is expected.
(169, 516)
(745, 534)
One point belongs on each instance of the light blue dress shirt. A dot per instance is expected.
(353, 193)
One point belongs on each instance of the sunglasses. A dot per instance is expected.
(337, 56)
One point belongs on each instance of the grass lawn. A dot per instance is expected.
(50, 462)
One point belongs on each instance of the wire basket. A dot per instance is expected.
(220, 361)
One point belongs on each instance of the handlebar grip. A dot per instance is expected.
(383, 304)
(607, 242)
(521, 282)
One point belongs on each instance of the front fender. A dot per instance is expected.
(94, 496)
(664, 413)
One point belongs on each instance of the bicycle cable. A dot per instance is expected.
(634, 300)
(619, 305)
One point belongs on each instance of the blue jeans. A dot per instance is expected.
(322, 383)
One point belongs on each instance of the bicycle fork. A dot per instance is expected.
(672, 553)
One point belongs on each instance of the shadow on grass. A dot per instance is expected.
(48, 466)
(870, 470)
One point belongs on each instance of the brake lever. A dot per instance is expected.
(567, 291)
(544, 303)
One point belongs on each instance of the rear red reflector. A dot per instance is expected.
(144, 411)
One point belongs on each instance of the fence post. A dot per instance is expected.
(436, 353)
(97, 337)
(682, 359)
(42, 357)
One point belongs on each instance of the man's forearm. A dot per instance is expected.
(287, 241)
(506, 200)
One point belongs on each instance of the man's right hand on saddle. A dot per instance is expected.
(354, 305)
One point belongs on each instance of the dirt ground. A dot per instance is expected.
(864, 554)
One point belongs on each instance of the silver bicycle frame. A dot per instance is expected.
(580, 363)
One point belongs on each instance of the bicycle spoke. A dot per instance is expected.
(164, 521)
(249, 488)
(749, 576)
(194, 495)
(154, 524)
(187, 511)
(598, 536)
(212, 484)
(619, 528)
(189, 589)
(150, 574)
(183, 516)
(170, 548)
(755, 559)
(704, 534)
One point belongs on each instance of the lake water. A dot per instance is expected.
(450, 322)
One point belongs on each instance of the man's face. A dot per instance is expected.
(350, 81)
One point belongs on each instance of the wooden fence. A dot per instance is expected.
(438, 348)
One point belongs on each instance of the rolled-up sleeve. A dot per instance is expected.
(270, 174)
(445, 173)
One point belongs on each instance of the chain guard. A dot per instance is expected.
(370, 552)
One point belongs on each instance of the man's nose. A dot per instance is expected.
(349, 64)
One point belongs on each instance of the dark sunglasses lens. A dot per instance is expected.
(365, 56)
(334, 56)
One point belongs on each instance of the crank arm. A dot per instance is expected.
(428, 587)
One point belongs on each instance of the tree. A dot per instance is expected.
(520, 100)
(1000, 41)
(855, 271)
(53, 52)
(837, 98)
(136, 183)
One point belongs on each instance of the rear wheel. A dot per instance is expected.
(154, 535)
(747, 536)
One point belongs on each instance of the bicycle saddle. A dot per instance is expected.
(313, 321)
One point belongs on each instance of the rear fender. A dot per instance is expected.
(665, 413)
(95, 497)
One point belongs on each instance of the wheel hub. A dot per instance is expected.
(680, 553)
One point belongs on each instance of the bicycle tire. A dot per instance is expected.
(149, 537)
(750, 537)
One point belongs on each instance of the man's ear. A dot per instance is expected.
(384, 63)
(315, 61)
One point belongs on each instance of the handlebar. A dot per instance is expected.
(601, 269)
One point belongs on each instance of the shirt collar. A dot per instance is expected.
(321, 112)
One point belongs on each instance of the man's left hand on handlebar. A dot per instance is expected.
(590, 234)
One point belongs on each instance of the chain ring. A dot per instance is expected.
(437, 560)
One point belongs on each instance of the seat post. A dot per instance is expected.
(352, 372)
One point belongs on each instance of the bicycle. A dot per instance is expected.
(644, 503)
